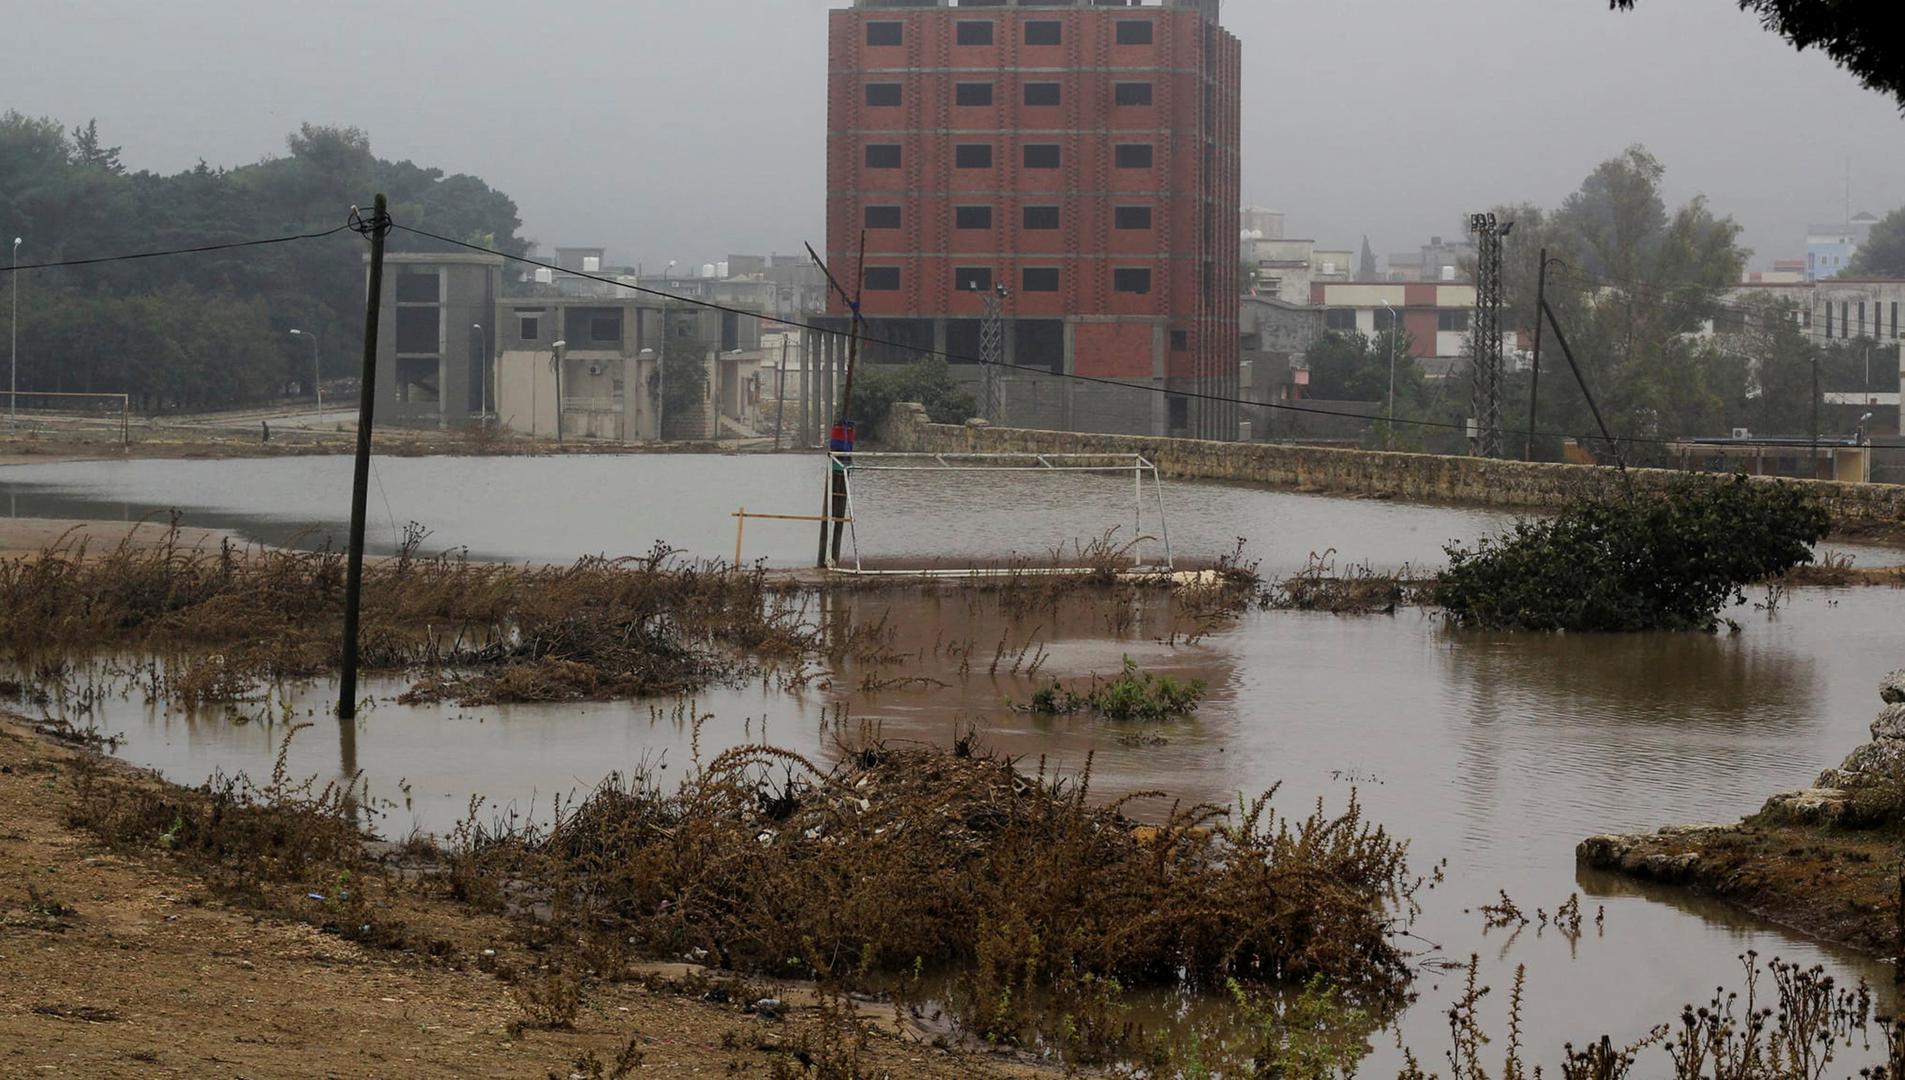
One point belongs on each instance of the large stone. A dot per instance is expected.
(1883, 759)
(1890, 723)
(1814, 806)
(1604, 852)
(1837, 778)
(1892, 688)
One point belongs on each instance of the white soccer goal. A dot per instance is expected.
(1154, 544)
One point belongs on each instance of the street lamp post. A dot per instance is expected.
(482, 336)
(13, 328)
(317, 386)
(1389, 433)
(555, 364)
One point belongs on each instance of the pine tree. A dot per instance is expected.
(88, 152)
(1367, 271)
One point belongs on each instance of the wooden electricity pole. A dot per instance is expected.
(377, 227)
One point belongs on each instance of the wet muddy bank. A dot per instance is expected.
(1827, 860)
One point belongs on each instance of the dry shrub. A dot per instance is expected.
(238, 620)
(1359, 590)
(241, 834)
(549, 999)
(906, 858)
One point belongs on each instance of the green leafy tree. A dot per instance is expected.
(928, 381)
(1883, 253)
(1355, 367)
(1635, 284)
(70, 196)
(682, 378)
(1667, 561)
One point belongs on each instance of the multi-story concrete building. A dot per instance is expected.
(434, 335)
(1829, 248)
(1860, 313)
(1435, 316)
(1080, 155)
(455, 345)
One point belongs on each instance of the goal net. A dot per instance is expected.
(1002, 513)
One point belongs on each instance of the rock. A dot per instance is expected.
(1813, 806)
(1664, 867)
(1838, 778)
(1882, 759)
(1603, 852)
(1890, 723)
(1892, 688)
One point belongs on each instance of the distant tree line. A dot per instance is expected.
(201, 331)
(1635, 284)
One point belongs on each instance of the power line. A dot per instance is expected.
(921, 350)
(1742, 307)
(199, 250)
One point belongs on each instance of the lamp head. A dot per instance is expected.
(558, 345)
(297, 333)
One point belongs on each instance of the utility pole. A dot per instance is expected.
(13, 328)
(1534, 381)
(1561, 339)
(1389, 432)
(661, 371)
(377, 227)
(834, 505)
(555, 364)
(780, 392)
(1815, 413)
(1485, 336)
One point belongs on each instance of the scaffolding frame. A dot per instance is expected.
(1136, 464)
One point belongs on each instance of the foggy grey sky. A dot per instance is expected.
(694, 128)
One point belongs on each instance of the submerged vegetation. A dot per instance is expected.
(1667, 562)
(1133, 695)
(239, 620)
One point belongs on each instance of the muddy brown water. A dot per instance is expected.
(1496, 752)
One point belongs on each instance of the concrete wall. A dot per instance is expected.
(1426, 477)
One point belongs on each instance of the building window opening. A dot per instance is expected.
(1044, 32)
(973, 94)
(974, 32)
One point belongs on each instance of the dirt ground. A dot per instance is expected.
(130, 966)
(1840, 885)
(29, 536)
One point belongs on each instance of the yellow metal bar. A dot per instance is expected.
(793, 517)
(740, 525)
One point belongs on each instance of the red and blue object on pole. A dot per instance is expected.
(841, 441)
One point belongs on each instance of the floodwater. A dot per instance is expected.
(553, 509)
(1495, 752)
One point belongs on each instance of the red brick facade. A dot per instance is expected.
(1086, 157)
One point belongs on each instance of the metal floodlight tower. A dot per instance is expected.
(992, 353)
(1485, 335)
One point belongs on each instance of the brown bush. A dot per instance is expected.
(236, 620)
(906, 858)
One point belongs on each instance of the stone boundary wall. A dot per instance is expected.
(1368, 473)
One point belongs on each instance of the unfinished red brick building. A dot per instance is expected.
(1081, 154)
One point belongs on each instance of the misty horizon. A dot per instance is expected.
(694, 136)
